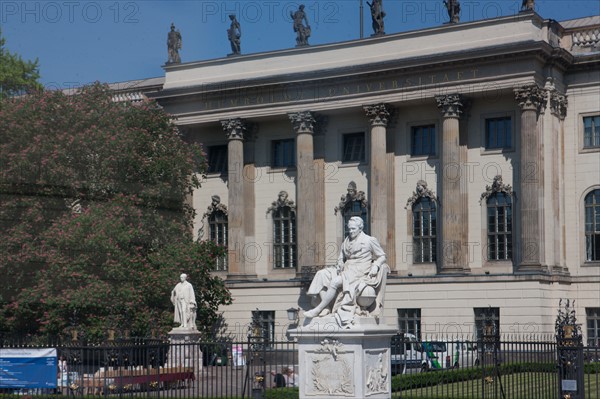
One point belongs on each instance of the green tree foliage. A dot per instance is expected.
(16, 76)
(95, 229)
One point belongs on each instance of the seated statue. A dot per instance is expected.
(356, 285)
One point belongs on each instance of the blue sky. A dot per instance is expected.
(78, 42)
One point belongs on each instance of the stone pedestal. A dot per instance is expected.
(184, 350)
(348, 363)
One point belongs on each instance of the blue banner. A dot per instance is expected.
(28, 368)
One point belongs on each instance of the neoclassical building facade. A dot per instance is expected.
(471, 150)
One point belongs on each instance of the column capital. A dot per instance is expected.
(303, 122)
(378, 114)
(234, 128)
(531, 97)
(451, 105)
(558, 104)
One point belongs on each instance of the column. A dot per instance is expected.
(234, 129)
(453, 252)
(379, 115)
(304, 125)
(251, 250)
(532, 101)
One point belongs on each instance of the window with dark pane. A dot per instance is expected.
(498, 133)
(499, 227)
(354, 147)
(591, 131)
(422, 140)
(265, 326)
(284, 238)
(424, 231)
(283, 153)
(217, 228)
(409, 321)
(592, 226)
(217, 159)
(484, 315)
(593, 326)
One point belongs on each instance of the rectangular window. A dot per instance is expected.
(499, 214)
(593, 326)
(354, 147)
(217, 159)
(591, 131)
(424, 231)
(264, 326)
(283, 153)
(284, 238)
(217, 224)
(422, 140)
(498, 133)
(409, 322)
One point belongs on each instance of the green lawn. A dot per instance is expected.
(529, 385)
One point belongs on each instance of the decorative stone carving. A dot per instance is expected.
(531, 97)
(215, 206)
(331, 370)
(282, 200)
(303, 122)
(75, 205)
(378, 114)
(234, 128)
(528, 5)
(451, 105)
(497, 186)
(421, 192)
(558, 104)
(377, 373)
(184, 301)
(453, 7)
(352, 195)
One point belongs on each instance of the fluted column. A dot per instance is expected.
(304, 125)
(532, 101)
(379, 115)
(235, 129)
(453, 253)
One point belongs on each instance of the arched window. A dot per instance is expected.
(499, 226)
(284, 232)
(424, 230)
(592, 226)
(216, 215)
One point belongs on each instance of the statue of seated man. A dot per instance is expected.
(355, 286)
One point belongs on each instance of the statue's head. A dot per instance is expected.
(355, 226)
(301, 7)
(283, 195)
(232, 16)
(216, 199)
(172, 26)
(183, 277)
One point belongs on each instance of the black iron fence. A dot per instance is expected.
(451, 367)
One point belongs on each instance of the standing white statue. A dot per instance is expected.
(355, 286)
(184, 300)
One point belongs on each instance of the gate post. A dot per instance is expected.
(569, 346)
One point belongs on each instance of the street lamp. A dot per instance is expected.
(292, 314)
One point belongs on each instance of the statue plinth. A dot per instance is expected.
(184, 349)
(350, 362)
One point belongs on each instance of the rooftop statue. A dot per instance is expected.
(377, 15)
(174, 45)
(356, 285)
(528, 5)
(453, 7)
(184, 300)
(302, 31)
(234, 34)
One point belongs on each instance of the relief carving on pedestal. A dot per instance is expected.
(377, 373)
(331, 370)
